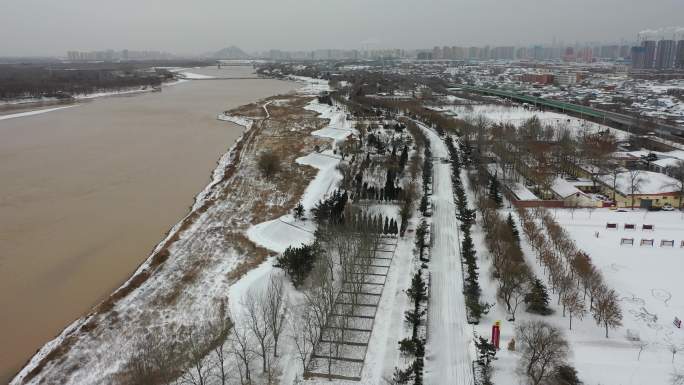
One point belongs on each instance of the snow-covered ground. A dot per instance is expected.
(194, 76)
(77, 97)
(647, 279)
(311, 86)
(279, 234)
(31, 113)
(518, 115)
(448, 358)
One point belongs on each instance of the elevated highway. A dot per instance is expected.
(584, 111)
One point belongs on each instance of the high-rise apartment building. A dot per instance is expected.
(649, 53)
(679, 61)
(666, 53)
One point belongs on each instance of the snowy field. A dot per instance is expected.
(647, 279)
(517, 115)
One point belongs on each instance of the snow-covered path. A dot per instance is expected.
(448, 345)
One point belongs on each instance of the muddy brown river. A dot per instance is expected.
(87, 192)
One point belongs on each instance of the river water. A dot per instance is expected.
(86, 193)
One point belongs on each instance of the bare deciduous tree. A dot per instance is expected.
(641, 345)
(221, 329)
(635, 181)
(573, 302)
(543, 349)
(305, 333)
(256, 317)
(276, 309)
(241, 348)
(606, 309)
(514, 278)
(197, 342)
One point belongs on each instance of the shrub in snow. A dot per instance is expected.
(511, 345)
(298, 211)
(486, 353)
(268, 163)
(565, 375)
(298, 262)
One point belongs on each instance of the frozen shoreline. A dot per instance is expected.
(34, 112)
(217, 175)
(29, 102)
(208, 193)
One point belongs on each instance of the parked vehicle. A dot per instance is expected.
(668, 207)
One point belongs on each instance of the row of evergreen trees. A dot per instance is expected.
(417, 293)
(415, 345)
(331, 209)
(471, 287)
(375, 223)
(390, 191)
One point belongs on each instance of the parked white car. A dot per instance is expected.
(668, 207)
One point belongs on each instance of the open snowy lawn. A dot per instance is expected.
(281, 233)
(517, 115)
(647, 279)
(326, 179)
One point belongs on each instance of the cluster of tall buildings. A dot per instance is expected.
(334, 54)
(586, 53)
(112, 55)
(660, 54)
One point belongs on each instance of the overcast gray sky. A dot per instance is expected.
(35, 27)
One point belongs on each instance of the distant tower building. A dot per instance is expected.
(436, 53)
(484, 53)
(610, 51)
(424, 55)
(638, 57)
(649, 53)
(665, 58)
(569, 54)
(679, 62)
(538, 52)
(447, 53)
(521, 53)
(625, 51)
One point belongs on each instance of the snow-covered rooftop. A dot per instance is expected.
(564, 189)
(650, 183)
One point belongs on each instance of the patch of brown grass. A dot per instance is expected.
(256, 255)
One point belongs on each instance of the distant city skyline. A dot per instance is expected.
(45, 27)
